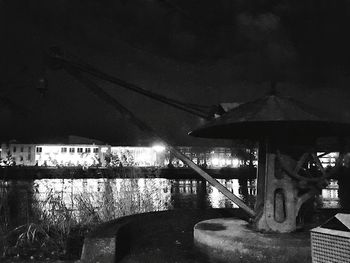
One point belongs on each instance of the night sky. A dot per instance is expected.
(203, 52)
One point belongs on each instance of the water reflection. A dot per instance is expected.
(15, 204)
(106, 199)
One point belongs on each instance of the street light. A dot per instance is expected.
(158, 148)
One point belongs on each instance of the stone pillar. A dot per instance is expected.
(278, 194)
(279, 210)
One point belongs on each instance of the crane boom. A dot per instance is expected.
(59, 60)
(75, 70)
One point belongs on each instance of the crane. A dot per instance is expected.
(79, 70)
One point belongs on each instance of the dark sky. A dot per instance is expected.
(202, 52)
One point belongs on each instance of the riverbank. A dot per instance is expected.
(155, 237)
(165, 236)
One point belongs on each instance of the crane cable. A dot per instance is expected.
(197, 110)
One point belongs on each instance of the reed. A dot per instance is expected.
(51, 224)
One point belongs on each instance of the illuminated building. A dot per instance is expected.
(139, 156)
(70, 155)
(328, 159)
(93, 154)
(329, 195)
(210, 157)
(21, 154)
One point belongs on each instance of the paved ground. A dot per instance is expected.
(233, 240)
(164, 238)
(171, 238)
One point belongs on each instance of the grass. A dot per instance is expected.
(54, 227)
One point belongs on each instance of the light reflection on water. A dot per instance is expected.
(143, 194)
(107, 199)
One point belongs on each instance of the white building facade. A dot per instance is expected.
(70, 155)
(20, 154)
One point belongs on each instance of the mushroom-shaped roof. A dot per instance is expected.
(273, 116)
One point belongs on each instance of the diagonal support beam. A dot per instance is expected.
(213, 181)
(294, 174)
(99, 92)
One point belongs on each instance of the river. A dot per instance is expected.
(100, 200)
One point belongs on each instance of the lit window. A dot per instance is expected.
(71, 150)
(80, 150)
(104, 149)
(87, 150)
(39, 149)
(235, 162)
(215, 161)
(222, 162)
(63, 149)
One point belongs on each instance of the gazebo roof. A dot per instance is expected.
(273, 116)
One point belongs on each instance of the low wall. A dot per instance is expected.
(111, 241)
